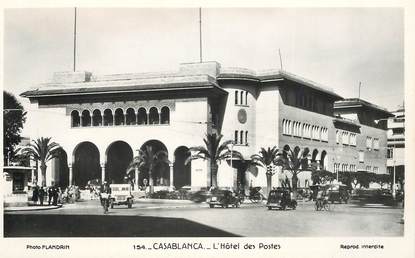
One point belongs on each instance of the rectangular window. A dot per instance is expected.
(376, 144)
(389, 153)
(369, 142)
(338, 134)
(236, 138)
(236, 97)
(361, 156)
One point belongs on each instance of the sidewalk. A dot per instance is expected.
(32, 208)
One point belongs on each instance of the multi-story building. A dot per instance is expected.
(101, 121)
(396, 144)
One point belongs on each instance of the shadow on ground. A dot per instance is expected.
(23, 225)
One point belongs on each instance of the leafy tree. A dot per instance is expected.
(321, 176)
(215, 152)
(382, 179)
(267, 158)
(347, 178)
(14, 117)
(295, 161)
(42, 150)
(148, 159)
(365, 178)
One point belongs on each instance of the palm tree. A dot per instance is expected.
(42, 150)
(148, 158)
(267, 158)
(296, 162)
(215, 152)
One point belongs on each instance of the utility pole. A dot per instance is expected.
(360, 85)
(74, 43)
(279, 52)
(200, 34)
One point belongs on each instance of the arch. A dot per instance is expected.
(60, 169)
(75, 119)
(165, 115)
(96, 118)
(130, 117)
(118, 156)
(86, 164)
(86, 118)
(181, 171)
(160, 173)
(142, 116)
(323, 159)
(108, 117)
(314, 155)
(119, 118)
(153, 116)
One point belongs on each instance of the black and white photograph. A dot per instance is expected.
(204, 123)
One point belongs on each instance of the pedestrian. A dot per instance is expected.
(41, 195)
(54, 196)
(59, 195)
(35, 195)
(50, 194)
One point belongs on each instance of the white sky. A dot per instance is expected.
(335, 47)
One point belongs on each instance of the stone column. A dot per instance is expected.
(33, 175)
(171, 174)
(102, 172)
(136, 178)
(70, 174)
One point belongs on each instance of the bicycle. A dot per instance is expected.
(322, 204)
(105, 202)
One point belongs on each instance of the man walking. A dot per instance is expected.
(41, 195)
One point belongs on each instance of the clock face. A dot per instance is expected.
(242, 116)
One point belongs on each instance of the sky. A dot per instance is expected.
(336, 47)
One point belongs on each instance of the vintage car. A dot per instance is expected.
(223, 198)
(121, 195)
(338, 193)
(280, 198)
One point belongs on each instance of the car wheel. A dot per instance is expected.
(269, 208)
(211, 205)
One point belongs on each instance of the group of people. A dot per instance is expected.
(53, 195)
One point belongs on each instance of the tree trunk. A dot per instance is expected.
(269, 183)
(43, 171)
(214, 174)
(294, 180)
(150, 179)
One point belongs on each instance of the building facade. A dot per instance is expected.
(101, 121)
(396, 145)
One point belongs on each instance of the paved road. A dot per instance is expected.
(253, 220)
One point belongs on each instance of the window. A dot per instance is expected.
(142, 116)
(389, 153)
(75, 120)
(376, 144)
(85, 118)
(246, 137)
(368, 168)
(165, 115)
(337, 136)
(108, 118)
(242, 98)
(375, 170)
(361, 156)
(241, 140)
(236, 137)
(154, 116)
(96, 118)
(353, 139)
(345, 138)
(119, 116)
(369, 143)
(246, 98)
(236, 97)
(130, 118)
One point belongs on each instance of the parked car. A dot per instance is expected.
(121, 195)
(338, 193)
(223, 198)
(280, 198)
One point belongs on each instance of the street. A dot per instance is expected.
(197, 220)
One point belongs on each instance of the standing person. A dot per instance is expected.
(59, 195)
(55, 196)
(41, 195)
(35, 196)
(50, 194)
